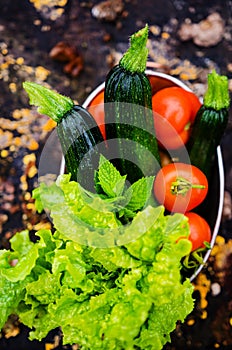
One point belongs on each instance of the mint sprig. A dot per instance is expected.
(112, 185)
(110, 179)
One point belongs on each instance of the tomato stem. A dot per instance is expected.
(193, 260)
(187, 126)
(182, 186)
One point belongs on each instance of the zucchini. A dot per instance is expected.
(78, 133)
(128, 113)
(210, 123)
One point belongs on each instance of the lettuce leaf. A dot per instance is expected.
(11, 293)
(108, 284)
(17, 264)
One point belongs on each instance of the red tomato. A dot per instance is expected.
(174, 111)
(167, 136)
(195, 104)
(180, 187)
(173, 105)
(96, 108)
(200, 231)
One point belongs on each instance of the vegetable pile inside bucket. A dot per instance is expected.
(113, 273)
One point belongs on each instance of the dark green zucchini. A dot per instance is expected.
(80, 137)
(128, 113)
(210, 123)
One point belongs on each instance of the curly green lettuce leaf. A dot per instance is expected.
(17, 264)
(114, 258)
(162, 318)
(142, 223)
(124, 294)
(146, 246)
(45, 289)
(87, 326)
(10, 296)
(47, 196)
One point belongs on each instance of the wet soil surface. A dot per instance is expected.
(67, 46)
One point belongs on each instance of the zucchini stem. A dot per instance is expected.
(49, 102)
(217, 94)
(135, 58)
(182, 186)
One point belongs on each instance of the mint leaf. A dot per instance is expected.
(110, 179)
(139, 193)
